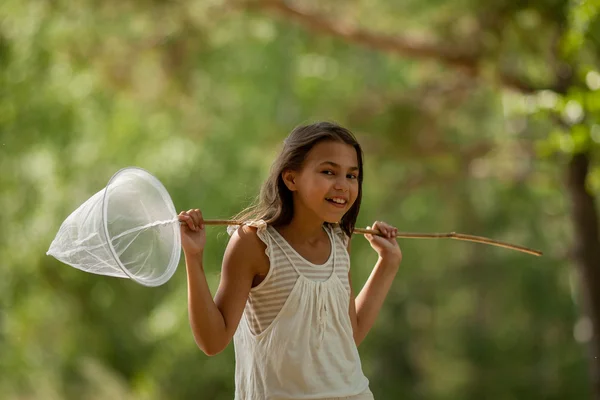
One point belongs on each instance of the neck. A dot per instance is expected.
(304, 227)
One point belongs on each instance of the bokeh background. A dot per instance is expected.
(475, 117)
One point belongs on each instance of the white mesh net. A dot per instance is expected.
(129, 229)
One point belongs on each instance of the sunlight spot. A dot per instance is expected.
(264, 30)
(583, 330)
(573, 112)
(592, 79)
(162, 322)
(38, 165)
(547, 99)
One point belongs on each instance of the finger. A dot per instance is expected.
(390, 230)
(386, 229)
(377, 227)
(198, 220)
(201, 219)
(383, 228)
(195, 218)
(189, 222)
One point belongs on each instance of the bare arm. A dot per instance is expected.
(370, 299)
(213, 323)
(365, 308)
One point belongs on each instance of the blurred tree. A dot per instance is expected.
(468, 113)
(500, 46)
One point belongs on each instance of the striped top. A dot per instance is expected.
(303, 345)
(267, 299)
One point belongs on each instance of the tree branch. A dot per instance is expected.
(404, 46)
(462, 59)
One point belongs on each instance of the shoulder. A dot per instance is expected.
(246, 237)
(247, 246)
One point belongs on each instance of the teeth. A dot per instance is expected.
(339, 201)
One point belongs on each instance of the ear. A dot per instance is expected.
(289, 178)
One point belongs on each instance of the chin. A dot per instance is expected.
(334, 219)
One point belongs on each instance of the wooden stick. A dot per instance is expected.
(408, 235)
(457, 236)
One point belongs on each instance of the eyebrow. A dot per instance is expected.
(338, 166)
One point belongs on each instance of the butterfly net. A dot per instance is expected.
(129, 229)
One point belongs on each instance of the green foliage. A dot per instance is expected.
(202, 93)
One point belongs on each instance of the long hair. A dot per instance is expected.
(274, 204)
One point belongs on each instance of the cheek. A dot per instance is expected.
(318, 189)
(354, 192)
(321, 184)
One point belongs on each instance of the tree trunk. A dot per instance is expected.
(587, 256)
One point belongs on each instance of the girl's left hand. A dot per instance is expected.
(386, 246)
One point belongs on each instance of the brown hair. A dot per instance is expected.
(275, 202)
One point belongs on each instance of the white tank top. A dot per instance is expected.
(295, 338)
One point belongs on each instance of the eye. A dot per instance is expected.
(352, 176)
(327, 172)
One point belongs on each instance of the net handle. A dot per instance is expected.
(411, 235)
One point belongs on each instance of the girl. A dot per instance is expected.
(285, 295)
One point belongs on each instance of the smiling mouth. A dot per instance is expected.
(337, 201)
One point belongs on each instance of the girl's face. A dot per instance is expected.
(327, 184)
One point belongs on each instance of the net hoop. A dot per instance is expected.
(176, 253)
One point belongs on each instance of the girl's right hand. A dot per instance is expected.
(193, 233)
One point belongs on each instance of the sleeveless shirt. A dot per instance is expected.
(295, 338)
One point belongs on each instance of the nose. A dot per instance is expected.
(341, 183)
